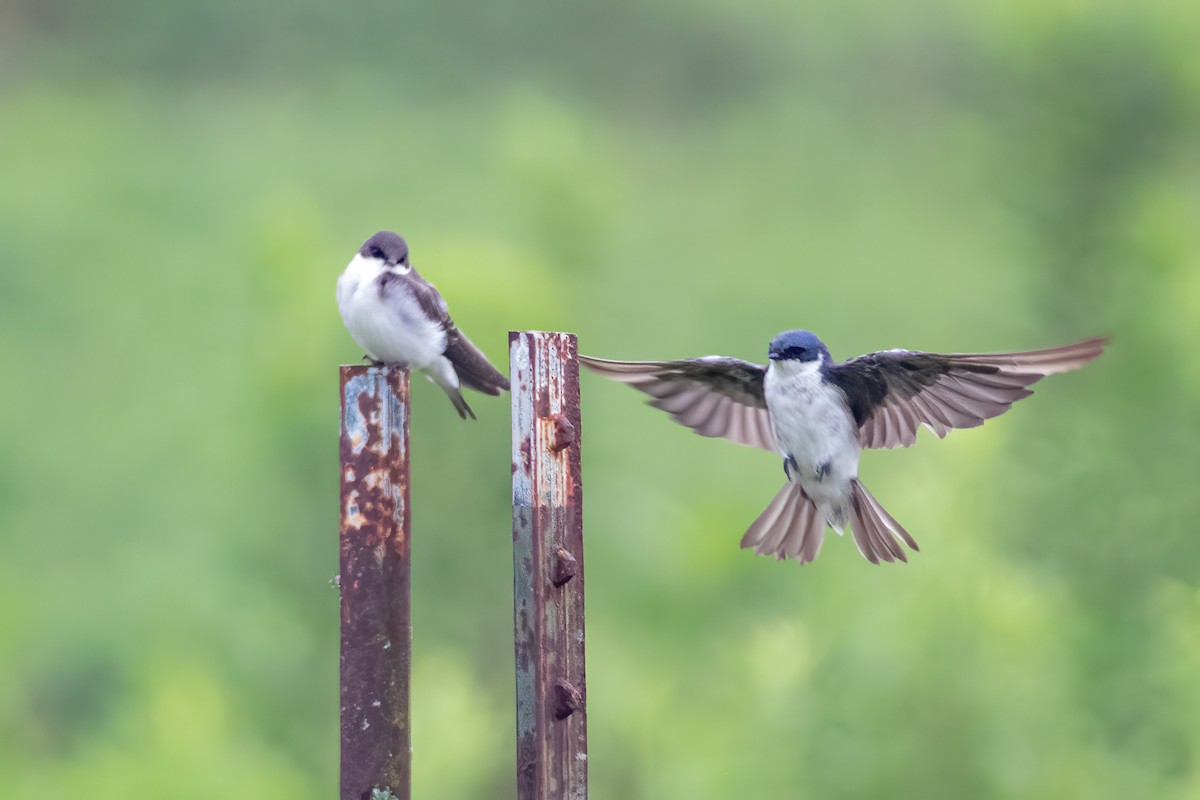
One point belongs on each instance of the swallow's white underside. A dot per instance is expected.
(812, 424)
(395, 332)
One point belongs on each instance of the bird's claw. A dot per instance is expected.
(790, 466)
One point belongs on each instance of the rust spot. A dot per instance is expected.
(564, 433)
(567, 699)
(368, 406)
(564, 567)
(351, 515)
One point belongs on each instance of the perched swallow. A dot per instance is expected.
(818, 415)
(397, 317)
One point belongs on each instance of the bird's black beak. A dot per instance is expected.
(774, 356)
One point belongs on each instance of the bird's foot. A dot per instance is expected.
(790, 467)
(822, 470)
(374, 362)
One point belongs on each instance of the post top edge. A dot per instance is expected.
(372, 366)
(512, 335)
(368, 369)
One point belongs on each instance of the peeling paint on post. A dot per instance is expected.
(376, 648)
(548, 567)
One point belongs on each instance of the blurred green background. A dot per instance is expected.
(181, 184)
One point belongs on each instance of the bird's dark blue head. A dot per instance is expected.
(388, 247)
(797, 346)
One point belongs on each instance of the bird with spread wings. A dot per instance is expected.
(818, 414)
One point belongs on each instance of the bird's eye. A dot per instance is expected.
(377, 253)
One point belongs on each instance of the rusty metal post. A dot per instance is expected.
(548, 567)
(376, 649)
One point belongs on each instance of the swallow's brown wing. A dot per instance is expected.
(430, 301)
(473, 368)
(894, 392)
(714, 396)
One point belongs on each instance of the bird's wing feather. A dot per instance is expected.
(431, 302)
(892, 393)
(470, 364)
(714, 396)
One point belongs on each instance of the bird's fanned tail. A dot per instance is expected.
(875, 530)
(789, 527)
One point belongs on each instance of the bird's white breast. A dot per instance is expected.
(395, 331)
(813, 425)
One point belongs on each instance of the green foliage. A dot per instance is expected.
(183, 183)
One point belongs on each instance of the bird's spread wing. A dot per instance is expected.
(894, 392)
(714, 396)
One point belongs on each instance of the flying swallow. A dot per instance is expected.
(399, 318)
(818, 415)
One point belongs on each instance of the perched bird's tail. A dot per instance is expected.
(472, 366)
(460, 405)
(441, 371)
(875, 530)
(789, 527)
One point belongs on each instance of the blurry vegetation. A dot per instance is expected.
(182, 183)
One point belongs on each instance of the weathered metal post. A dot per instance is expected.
(376, 649)
(548, 567)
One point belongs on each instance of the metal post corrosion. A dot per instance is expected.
(548, 567)
(375, 583)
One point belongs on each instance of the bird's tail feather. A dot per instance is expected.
(441, 372)
(460, 405)
(789, 527)
(875, 530)
(472, 366)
